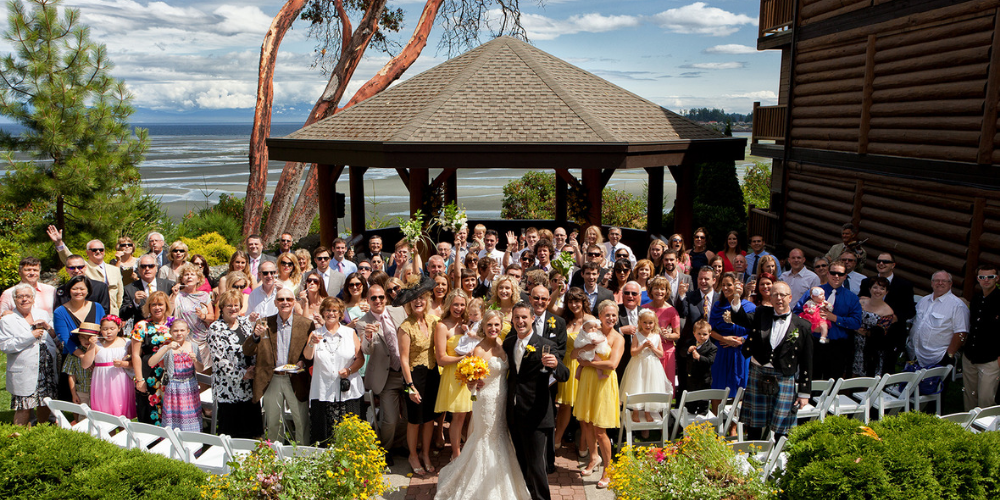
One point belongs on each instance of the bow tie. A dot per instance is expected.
(781, 316)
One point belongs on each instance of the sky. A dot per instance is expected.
(196, 61)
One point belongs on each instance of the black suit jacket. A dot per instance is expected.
(577, 279)
(900, 299)
(367, 255)
(481, 291)
(602, 295)
(698, 372)
(98, 293)
(132, 308)
(555, 330)
(627, 352)
(529, 401)
(793, 357)
(691, 308)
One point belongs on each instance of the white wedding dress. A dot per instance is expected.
(487, 467)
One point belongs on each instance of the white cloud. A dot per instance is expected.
(731, 48)
(716, 65)
(699, 18)
(545, 28)
(759, 95)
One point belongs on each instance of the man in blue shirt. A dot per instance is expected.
(832, 359)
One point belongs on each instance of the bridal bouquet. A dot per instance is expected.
(413, 229)
(471, 369)
(564, 263)
(452, 218)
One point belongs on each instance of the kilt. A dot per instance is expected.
(775, 412)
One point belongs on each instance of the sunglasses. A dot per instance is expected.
(377, 297)
(96, 250)
(352, 285)
(622, 270)
(822, 265)
(124, 245)
(268, 273)
(289, 264)
(396, 288)
(146, 266)
(593, 254)
(630, 294)
(313, 281)
(364, 268)
(286, 241)
(74, 268)
(322, 259)
(884, 261)
(676, 240)
(986, 276)
(699, 237)
(284, 299)
(178, 250)
(837, 273)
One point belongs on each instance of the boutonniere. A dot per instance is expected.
(552, 322)
(792, 335)
(528, 349)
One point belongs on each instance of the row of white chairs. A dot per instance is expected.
(858, 397)
(768, 453)
(977, 420)
(209, 452)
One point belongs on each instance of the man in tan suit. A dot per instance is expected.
(383, 376)
(278, 341)
(97, 269)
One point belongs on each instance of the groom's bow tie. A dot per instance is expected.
(781, 316)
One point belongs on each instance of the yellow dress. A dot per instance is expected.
(597, 398)
(504, 331)
(567, 389)
(453, 395)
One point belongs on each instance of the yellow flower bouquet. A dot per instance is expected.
(472, 369)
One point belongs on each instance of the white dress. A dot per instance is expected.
(487, 467)
(643, 374)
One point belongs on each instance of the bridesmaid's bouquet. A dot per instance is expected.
(472, 369)
(413, 228)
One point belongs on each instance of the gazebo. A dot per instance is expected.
(506, 105)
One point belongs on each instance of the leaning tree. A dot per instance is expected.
(340, 48)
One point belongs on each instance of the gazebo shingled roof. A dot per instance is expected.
(507, 104)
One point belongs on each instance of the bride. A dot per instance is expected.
(487, 467)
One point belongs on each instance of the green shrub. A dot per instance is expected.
(9, 258)
(49, 462)
(194, 225)
(212, 245)
(909, 456)
(757, 186)
(718, 202)
(533, 196)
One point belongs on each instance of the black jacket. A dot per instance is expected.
(793, 357)
(529, 400)
(132, 308)
(698, 372)
(98, 294)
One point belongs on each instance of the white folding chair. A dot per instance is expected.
(682, 418)
(241, 447)
(817, 400)
(58, 407)
(893, 392)
(661, 424)
(208, 452)
(729, 410)
(745, 450)
(858, 399)
(208, 401)
(919, 399)
(110, 428)
(155, 439)
(775, 460)
(288, 452)
(988, 419)
(371, 414)
(964, 419)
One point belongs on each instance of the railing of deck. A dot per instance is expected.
(775, 16)
(762, 222)
(768, 123)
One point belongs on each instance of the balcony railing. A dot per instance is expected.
(764, 223)
(776, 16)
(768, 123)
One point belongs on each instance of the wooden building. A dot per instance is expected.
(887, 118)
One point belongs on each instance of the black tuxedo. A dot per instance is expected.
(577, 279)
(132, 308)
(554, 329)
(481, 291)
(98, 294)
(699, 371)
(900, 299)
(627, 352)
(793, 358)
(530, 413)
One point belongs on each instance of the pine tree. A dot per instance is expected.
(82, 154)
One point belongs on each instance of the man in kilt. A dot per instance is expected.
(780, 348)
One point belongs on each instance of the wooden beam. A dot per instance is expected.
(592, 188)
(564, 174)
(606, 177)
(989, 130)
(561, 190)
(684, 201)
(418, 186)
(859, 193)
(442, 177)
(866, 96)
(972, 261)
(357, 185)
(451, 189)
(327, 176)
(654, 207)
(405, 176)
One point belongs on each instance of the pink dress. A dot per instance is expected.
(111, 388)
(668, 316)
(813, 312)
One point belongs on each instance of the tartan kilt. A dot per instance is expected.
(775, 412)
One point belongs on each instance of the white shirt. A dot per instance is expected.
(854, 281)
(348, 266)
(149, 287)
(261, 303)
(633, 316)
(800, 282)
(334, 353)
(494, 254)
(284, 340)
(937, 320)
(44, 298)
(610, 250)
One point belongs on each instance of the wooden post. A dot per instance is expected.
(859, 193)
(654, 205)
(561, 191)
(357, 183)
(451, 189)
(326, 177)
(989, 128)
(592, 187)
(972, 260)
(684, 201)
(418, 186)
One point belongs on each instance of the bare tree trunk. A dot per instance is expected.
(253, 207)
(353, 47)
(307, 206)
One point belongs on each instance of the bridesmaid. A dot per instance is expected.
(597, 398)
(575, 314)
(670, 324)
(453, 396)
(419, 367)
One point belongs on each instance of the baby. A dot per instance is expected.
(590, 333)
(812, 310)
(471, 338)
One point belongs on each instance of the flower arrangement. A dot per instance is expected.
(413, 228)
(564, 263)
(452, 218)
(351, 468)
(471, 369)
(700, 465)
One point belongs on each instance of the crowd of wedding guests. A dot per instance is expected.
(309, 331)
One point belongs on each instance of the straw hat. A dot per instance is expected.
(87, 329)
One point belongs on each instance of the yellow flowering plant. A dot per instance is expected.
(700, 465)
(471, 369)
(351, 467)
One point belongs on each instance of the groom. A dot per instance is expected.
(529, 402)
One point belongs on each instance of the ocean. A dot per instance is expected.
(189, 166)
